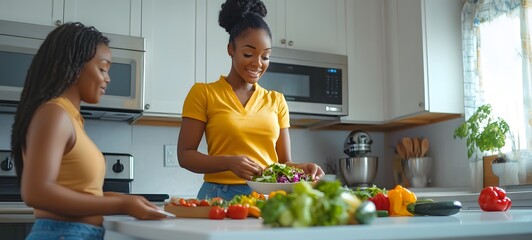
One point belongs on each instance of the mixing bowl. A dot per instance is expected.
(418, 170)
(358, 171)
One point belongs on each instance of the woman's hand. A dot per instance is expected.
(314, 170)
(139, 207)
(244, 167)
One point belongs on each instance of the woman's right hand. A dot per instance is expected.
(139, 207)
(244, 167)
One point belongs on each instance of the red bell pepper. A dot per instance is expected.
(494, 199)
(381, 201)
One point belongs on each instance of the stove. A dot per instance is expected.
(119, 176)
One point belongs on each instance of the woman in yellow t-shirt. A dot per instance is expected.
(60, 169)
(245, 125)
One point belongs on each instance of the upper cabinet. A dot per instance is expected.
(212, 57)
(42, 12)
(366, 68)
(424, 57)
(169, 29)
(313, 25)
(117, 16)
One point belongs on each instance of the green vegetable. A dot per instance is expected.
(282, 173)
(444, 208)
(366, 212)
(382, 213)
(323, 205)
(364, 193)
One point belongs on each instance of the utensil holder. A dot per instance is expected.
(418, 171)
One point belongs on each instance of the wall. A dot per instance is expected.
(146, 144)
(451, 166)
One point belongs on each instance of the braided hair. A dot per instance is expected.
(238, 16)
(53, 69)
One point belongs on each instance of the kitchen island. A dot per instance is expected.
(467, 224)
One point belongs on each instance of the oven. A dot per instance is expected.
(119, 176)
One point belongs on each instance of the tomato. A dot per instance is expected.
(204, 203)
(183, 202)
(237, 211)
(217, 212)
(193, 202)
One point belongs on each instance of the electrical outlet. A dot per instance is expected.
(170, 155)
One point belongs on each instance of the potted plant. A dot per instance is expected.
(484, 133)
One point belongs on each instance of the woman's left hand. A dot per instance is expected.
(314, 170)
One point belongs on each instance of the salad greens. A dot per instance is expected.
(364, 193)
(326, 204)
(282, 173)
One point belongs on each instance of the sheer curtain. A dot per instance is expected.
(496, 58)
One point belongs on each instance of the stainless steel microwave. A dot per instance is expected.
(123, 97)
(311, 82)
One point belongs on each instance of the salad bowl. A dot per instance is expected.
(267, 187)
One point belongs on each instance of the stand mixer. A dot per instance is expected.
(359, 169)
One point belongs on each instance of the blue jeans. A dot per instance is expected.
(227, 192)
(48, 229)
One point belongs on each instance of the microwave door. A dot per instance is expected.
(125, 88)
(16, 55)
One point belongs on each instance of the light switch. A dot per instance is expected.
(170, 155)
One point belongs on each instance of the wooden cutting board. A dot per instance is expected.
(490, 179)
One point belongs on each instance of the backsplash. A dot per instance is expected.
(146, 144)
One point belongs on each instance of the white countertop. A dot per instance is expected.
(469, 224)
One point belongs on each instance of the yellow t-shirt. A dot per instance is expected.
(83, 167)
(232, 129)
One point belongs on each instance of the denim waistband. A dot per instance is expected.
(45, 228)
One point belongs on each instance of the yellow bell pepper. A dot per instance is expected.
(399, 199)
(273, 193)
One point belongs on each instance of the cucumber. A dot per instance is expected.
(444, 208)
(366, 212)
(382, 213)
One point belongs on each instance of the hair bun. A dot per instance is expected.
(235, 10)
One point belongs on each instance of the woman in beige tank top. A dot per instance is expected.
(71, 66)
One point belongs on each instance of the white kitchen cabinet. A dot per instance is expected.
(366, 68)
(117, 16)
(212, 57)
(41, 12)
(424, 57)
(313, 25)
(169, 28)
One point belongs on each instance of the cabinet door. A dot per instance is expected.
(425, 57)
(276, 21)
(316, 25)
(406, 86)
(366, 68)
(169, 29)
(117, 16)
(443, 27)
(217, 61)
(42, 12)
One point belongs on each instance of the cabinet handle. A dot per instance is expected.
(283, 41)
(58, 23)
(290, 43)
(147, 106)
(421, 104)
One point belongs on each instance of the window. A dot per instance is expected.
(496, 66)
